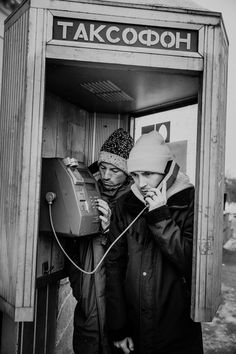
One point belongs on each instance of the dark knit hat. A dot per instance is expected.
(116, 149)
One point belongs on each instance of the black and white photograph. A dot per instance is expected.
(117, 177)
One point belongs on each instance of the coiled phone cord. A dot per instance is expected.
(107, 251)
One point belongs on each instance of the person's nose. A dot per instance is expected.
(142, 181)
(107, 175)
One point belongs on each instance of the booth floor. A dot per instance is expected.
(220, 335)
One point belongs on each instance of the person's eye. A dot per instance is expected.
(115, 171)
(147, 174)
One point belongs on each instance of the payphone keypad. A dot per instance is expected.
(93, 201)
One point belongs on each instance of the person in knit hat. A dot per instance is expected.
(148, 269)
(89, 336)
(111, 168)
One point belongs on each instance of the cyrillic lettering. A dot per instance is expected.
(149, 34)
(125, 36)
(81, 33)
(163, 37)
(116, 34)
(183, 40)
(94, 33)
(64, 27)
(108, 34)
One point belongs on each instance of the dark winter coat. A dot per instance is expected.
(149, 276)
(90, 336)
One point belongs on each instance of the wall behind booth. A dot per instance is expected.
(71, 131)
(68, 131)
(182, 134)
(63, 129)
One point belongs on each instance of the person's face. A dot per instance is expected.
(146, 180)
(111, 175)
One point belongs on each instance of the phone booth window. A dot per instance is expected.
(179, 129)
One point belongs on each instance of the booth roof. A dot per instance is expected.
(181, 4)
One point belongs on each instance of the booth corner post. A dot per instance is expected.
(73, 72)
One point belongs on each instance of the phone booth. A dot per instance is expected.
(73, 72)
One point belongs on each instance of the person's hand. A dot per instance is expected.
(105, 215)
(155, 197)
(127, 345)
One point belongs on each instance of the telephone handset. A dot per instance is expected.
(171, 172)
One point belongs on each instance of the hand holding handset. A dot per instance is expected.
(158, 198)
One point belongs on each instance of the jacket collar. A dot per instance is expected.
(181, 182)
(179, 200)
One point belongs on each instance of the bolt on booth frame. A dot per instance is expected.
(73, 72)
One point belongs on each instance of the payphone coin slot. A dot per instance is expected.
(81, 194)
(82, 197)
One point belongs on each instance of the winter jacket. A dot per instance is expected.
(149, 276)
(89, 336)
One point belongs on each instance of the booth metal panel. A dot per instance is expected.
(21, 134)
(14, 71)
(206, 296)
(22, 128)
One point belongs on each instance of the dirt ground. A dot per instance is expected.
(220, 335)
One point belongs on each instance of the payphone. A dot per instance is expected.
(74, 210)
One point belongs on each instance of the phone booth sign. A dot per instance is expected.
(120, 34)
(109, 60)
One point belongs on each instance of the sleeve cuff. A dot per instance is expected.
(158, 214)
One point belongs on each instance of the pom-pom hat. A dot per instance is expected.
(116, 149)
(150, 153)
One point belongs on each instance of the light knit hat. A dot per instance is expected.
(150, 153)
(116, 149)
